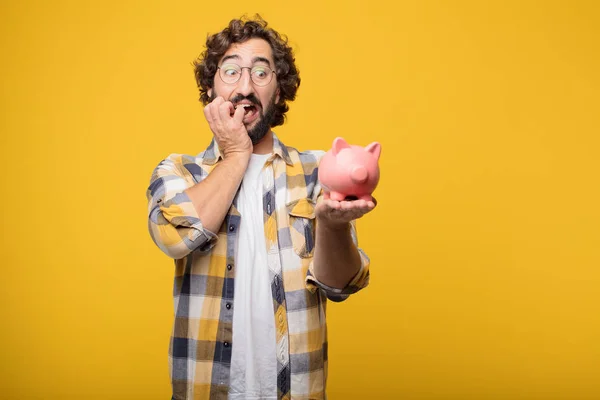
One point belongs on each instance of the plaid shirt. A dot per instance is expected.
(200, 347)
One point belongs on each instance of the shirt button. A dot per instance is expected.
(269, 209)
(229, 267)
(231, 228)
(225, 344)
(228, 306)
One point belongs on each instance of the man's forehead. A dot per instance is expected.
(250, 51)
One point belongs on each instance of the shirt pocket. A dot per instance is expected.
(302, 226)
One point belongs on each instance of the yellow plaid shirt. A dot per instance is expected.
(200, 347)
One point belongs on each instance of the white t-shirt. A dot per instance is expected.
(253, 358)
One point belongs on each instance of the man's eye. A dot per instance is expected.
(260, 73)
(230, 71)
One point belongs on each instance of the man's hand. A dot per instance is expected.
(226, 124)
(337, 214)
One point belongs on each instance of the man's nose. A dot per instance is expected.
(244, 85)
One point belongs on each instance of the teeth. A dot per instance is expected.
(243, 105)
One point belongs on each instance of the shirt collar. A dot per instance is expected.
(281, 150)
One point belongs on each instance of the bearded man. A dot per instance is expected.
(257, 250)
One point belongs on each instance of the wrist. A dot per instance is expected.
(238, 156)
(329, 226)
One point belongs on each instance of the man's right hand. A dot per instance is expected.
(229, 130)
(213, 196)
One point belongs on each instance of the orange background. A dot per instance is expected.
(484, 246)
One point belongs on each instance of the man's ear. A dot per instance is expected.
(277, 96)
(209, 92)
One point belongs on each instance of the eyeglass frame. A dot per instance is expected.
(249, 71)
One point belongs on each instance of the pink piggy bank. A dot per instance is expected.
(349, 171)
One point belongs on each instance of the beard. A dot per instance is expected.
(265, 119)
(263, 125)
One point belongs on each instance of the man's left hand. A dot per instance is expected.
(339, 213)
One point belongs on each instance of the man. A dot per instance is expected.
(257, 249)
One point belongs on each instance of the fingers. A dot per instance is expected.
(349, 205)
(336, 205)
(225, 110)
(208, 115)
(238, 115)
(226, 124)
(346, 210)
(219, 114)
(214, 108)
(210, 112)
(357, 205)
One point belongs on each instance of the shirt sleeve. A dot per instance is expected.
(173, 222)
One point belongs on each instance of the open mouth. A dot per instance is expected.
(248, 108)
(250, 111)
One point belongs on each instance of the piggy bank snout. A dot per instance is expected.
(359, 174)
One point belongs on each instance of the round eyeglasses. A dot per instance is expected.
(260, 74)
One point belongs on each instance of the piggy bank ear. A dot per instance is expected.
(375, 149)
(339, 144)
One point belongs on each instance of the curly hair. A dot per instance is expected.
(238, 31)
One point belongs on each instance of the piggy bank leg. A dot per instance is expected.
(366, 197)
(337, 196)
(325, 195)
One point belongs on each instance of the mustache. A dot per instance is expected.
(251, 98)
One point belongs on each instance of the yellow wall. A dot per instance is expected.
(485, 245)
